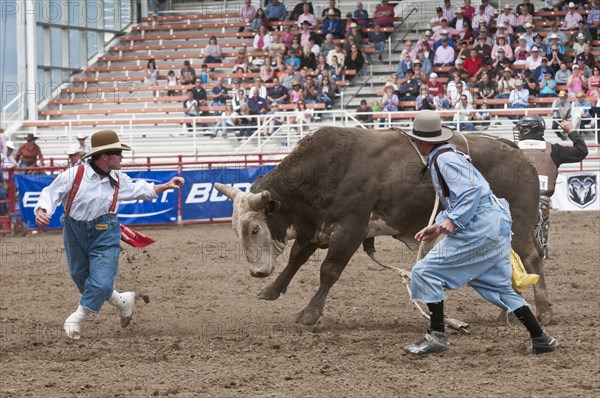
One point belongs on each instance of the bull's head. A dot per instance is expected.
(250, 212)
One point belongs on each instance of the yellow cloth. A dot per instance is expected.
(520, 278)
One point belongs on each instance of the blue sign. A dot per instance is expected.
(163, 209)
(200, 198)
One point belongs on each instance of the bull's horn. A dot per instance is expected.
(227, 190)
(258, 201)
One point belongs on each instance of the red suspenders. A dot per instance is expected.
(75, 188)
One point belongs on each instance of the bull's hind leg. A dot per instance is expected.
(342, 246)
(300, 252)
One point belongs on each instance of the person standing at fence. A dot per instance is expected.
(90, 194)
(29, 153)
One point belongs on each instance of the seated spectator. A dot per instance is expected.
(518, 99)
(310, 90)
(239, 97)
(287, 36)
(273, 123)
(228, 121)
(246, 122)
(425, 99)
(306, 34)
(562, 75)
(434, 85)
(409, 89)
(576, 83)
(507, 16)
(506, 84)
(389, 101)
(190, 106)
(338, 53)
(247, 13)
(459, 21)
(445, 31)
(409, 50)
(260, 19)
(458, 68)
(486, 88)
(526, 4)
(451, 86)
(555, 58)
(579, 44)
(361, 16)
(483, 49)
(331, 10)
(467, 34)
(585, 106)
(524, 18)
(326, 75)
(289, 78)
(419, 72)
(277, 93)
(449, 10)
(539, 72)
(257, 104)
(376, 40)
(531, 84)
(459, 91)
(172, 81)
(314, 47)
(307, 16)
(547, 85)
(537, 42)
(240, 61)
(594, 83)
(404, 64)
(593, 20)
(521, 52)
(384, 14)
(571, 20)
(501, 49)
(328, 45)
(426, 64)
(353, 35)
(295, 45)
(296, 93)
(293, 60)
(152, 74)
(588, 59)
(299, 10)
(533, 60)
(481, 18)
(187, 75)
(347, 24)
(276, 47)
(561, 110)
(561, 37)
(332, 25)
(441, 101)
(307, 58)
(258, 86)
(302, 116)
(220, 93)
(364, 113)
(266, 72)
(483, 116)
(444, 55)
(199, 93)
(473, 64)
(203, 75)
(354, 60)
(464, 115)
(262, 39)
(212, 52)
(504, 30)
(276, 11)
(325, 93)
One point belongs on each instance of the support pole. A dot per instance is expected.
(31, 80)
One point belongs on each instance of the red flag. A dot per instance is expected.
(135, 238)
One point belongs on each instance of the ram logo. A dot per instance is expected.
(583, 189)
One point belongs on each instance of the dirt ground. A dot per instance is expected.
(205, 334)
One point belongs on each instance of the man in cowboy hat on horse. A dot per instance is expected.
(476, 250)
(90, 194)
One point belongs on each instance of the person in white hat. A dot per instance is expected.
(522, 20)
(90, 194)
(571, 20)
(476, 223)
(8, 160)
(507, 17)
(74, 153)
(85, 147)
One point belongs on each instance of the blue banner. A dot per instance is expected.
(202, 201)
(163, 209)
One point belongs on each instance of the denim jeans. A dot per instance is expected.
(379, 47)
(92, 249)
(465, 126)
(156, 7)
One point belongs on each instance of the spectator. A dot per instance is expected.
(332, 25)
(593, 20)
(473, 64)
(579, 44)
(307, 16)
(554, 45)
(562, 37)
(338, 53)
(212, 52)
(427, 38)
(246, 121)
(302, 116)
(377, 40)
(436, 20)
(152, 75)
(203, 74)
(547, 85)
(310, 90)
(484, 51)
(287, 37)
(428, 54)
(404, 64)
(187, 75)
(588, 59)
(504, 30)
(328, 45)
(506, 84)
(276, 11)
(331, 10)
(171, 82)
(426, 65)
(293, 60)
(308, 59)
(537, 42)
(459, 91)
(572, 18)
(257, 104)
(526, 4)
(289, 78)
(561, 110)
(529, 35)
(449, 11)
(468, 9)
(434, 85)
(585, 106)
(354, 34)
(480, 18)
(507, 16)
(266, 72)
(190, 106)
(458, 67)
(296, 93)
(409, 89)
(384, 14)
(364, 114)
(459, 21)
(325, 93)
(576, 83)
(490, 11)
(326, 75)
(425, 99)
(389, 101)
(85, 147)
(276, 47)
(239, 97)
(220, 93)
(464, 114)
(8, 160)
(361, 16)
(521, 52)
(157, 7)
(29, 153)
(199, 93)
(259, 87)
(228, 121)
(420, 74)
(562, 75)
(260, 19)
(533, 60)
(531, 85)
(583, 29)
(262, 39)
(275, 121)
(501, 45)
(518, 99)
(539, 72)
(299, 10)
(486, 88)
(443, 35)
(354, 60)
(594, 83)
(555, 58)
(444, 55)
(247, 13)
(74, 153)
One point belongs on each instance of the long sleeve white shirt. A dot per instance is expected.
(95, 195)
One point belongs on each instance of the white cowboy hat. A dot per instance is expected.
(10, 144)
(81, 136)
(427, 127)
(74, 149)
(106, 141)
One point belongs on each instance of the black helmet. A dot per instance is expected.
(530, 125)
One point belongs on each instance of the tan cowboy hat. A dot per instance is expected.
(427, 127)
(562, 93)
(74, 149)
(105, 141)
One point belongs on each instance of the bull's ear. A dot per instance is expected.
(272, 206)
(227, 190)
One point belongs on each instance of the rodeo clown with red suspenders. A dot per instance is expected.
(90, 194)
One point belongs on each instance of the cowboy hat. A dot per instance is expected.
(81, 136)
(562, 93)
(31, 137)
(74, 149)
(427, 127)
(105, 141)
(10, 144)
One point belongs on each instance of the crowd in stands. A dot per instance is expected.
(488, 59)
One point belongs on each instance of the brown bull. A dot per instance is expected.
(340, 186)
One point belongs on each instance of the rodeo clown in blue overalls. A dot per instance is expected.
(90, 194)
(476, 250)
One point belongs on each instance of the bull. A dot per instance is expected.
(340, 186)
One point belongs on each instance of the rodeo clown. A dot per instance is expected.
(90, 194)
(547, 158)
(476, 250)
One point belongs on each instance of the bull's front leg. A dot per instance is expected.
(299, 254)
(342, 246)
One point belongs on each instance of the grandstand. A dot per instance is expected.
(112, 92)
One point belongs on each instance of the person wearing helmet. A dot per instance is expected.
(547, 158)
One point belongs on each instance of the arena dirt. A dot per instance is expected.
(205, 334)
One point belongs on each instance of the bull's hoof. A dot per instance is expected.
(545, 316)
(308, 316)
(269, 293)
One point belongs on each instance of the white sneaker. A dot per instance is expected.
(125, 303)
(73, 323)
